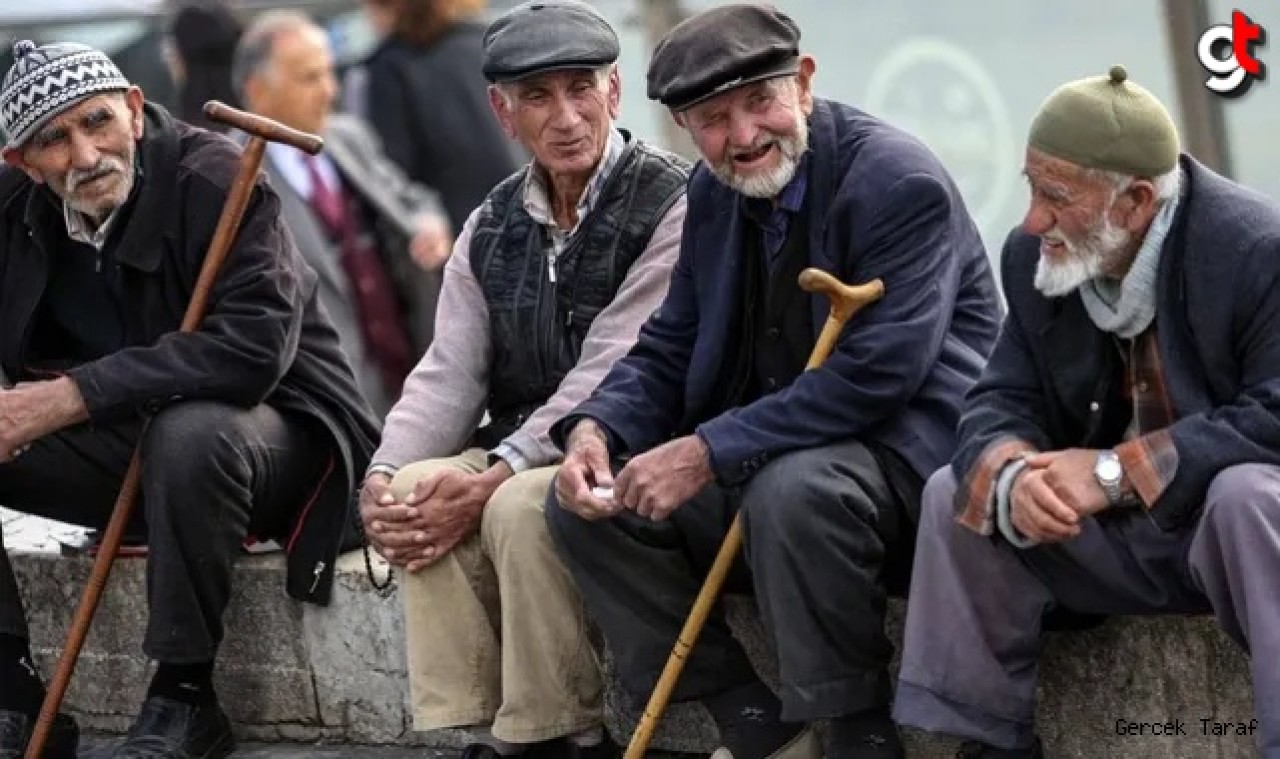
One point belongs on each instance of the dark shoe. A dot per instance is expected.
(976, 750)
(480, 751)
(563, 748)
(16, 729)
(168, 729)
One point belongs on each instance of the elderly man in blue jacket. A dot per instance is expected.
(713, 414)
(1121, 453)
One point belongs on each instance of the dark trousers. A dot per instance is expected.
(211, 474)
(825, 531)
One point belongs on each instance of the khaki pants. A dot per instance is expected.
(496, 632)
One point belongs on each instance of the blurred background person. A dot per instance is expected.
(200, 42)
(422, 90)
(376, 239)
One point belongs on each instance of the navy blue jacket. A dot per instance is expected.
(1218, 331)
(880, 205)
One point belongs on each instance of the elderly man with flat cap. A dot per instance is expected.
(548, 285)
(250, 425)
(1121, 453)
(713, 414)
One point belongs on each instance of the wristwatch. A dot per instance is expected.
(1109, 474)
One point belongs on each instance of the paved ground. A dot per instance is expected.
(101, 749)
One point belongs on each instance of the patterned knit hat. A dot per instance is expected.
(45, 81)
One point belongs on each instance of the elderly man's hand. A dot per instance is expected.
(585, 467)
(1070, 474)
(32, 410)
(657, 483)
(446, 507)
(384, 517)
(1037, 512)
(432, 243)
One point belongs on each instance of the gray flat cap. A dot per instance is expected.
(720, 49)
(547, 35)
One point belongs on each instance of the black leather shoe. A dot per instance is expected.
(976, 750)
(563, 748)
(169, 729)
(480, 751)
(16, 729)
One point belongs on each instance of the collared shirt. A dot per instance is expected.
(537, 203)
(537, 196)
(82, 229)
(774, 218)
(291, 163)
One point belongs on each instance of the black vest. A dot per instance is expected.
(537, 322)
(773, 336)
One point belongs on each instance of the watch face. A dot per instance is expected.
(1109, 469)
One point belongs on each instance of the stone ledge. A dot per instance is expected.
(337, 675)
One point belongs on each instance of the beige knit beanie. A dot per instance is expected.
(1107, 123)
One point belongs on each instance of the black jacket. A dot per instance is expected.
(263, 338)
(431, 108)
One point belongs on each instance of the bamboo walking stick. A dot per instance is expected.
(846, 300)
(260, 130)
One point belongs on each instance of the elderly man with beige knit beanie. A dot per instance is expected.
(1121, 452)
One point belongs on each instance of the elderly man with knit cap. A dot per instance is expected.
(1121, 453)
(548, 285)
(251, 424)
(712, 413)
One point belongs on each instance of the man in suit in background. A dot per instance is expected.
(376, 239)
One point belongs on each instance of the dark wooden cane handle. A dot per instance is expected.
(261, 126)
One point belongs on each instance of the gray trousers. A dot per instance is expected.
(822, 530)
(976, 604)
(211, 473)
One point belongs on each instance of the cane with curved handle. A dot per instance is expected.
(846, 300)
(260, 131)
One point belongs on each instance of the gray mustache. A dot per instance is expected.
(77, 177)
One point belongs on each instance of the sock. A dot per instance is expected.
(592, 736)
(870, 733)
(485, 735)
(749, 719)
(21, 688)
(189, 683)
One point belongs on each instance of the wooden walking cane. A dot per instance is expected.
(846, 300)
(260, 131)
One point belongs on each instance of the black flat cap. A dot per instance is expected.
(547, 35)
(720, 49)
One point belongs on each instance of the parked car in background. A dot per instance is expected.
(133, 32)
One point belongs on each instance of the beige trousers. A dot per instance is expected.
(495, 631)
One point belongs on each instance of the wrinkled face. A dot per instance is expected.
(297, 87)
(1079, 219)
(86, 154)
(562, 117)
(754, 136)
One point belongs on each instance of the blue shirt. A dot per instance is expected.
(774, 218)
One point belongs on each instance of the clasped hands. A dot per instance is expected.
(1055, 493)
(443, 509)
(653, 484)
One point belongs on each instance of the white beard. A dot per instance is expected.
(1086, 258)
(771, 183)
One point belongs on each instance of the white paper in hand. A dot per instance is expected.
(604, 494)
